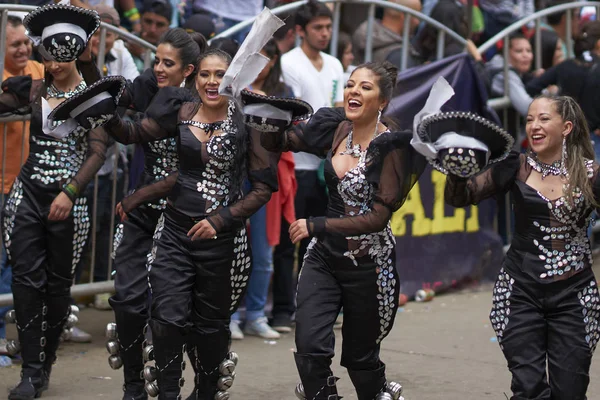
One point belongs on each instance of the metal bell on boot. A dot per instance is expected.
(220, 395)
(148, 353)
(112, 346)
(395, 389)
(152, 389)
(115, 362)
(13, 347)
(11, 317)
(111, 330)
(233, 356)
(71, 321)
(66, 335)
(149, 373)
(225, 382)
(226, 367)
(299, 392)
(74, 310)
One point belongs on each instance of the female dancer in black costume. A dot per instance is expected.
(200, 262)
(45, 223)
(545, 305)
(350, 262)
(175, 62)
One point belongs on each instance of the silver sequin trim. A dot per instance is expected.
(60, 159)
(166, 162)
(10, 210)
(81, 228)
(590, 302)
(501, 304)
(117, 240)
(575, 252)
(152, 255)
(240, 268)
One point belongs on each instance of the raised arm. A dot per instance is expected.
(98, 143)
(154, 191)
(262, 174)
(160, 120)
(393, 167)
(550, 77)
(496, 179)
(314, 136)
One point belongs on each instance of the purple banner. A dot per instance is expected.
(439, 246)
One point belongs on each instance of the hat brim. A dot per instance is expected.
(300, 110)
(42, 17)
(498, 141)
(263, 124)
(114, 85)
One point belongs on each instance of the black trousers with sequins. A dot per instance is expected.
(131, 301)
(368, 293)
(43, 255)
(547, 332)
(195, 286)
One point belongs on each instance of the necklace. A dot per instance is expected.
(53, 92)
(556, 168)
(355, 150)
(208, 127)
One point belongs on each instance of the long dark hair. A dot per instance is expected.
(189, 46)
(241, 140)
(587, 38)
(579, 147)
(273, 85)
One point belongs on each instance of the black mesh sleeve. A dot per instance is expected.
(159, 122)
(315, 136)
(98, 143)
(151, 192)
(495, 179)
(262, 174)
(393, 167)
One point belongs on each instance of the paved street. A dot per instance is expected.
(439, 350)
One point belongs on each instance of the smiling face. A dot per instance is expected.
(362, 96)
(168, 68)
(520, 54)
(210, 73)
(60, 71)
(545, 129)
(18, 49)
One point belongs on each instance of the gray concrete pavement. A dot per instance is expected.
(439, 350)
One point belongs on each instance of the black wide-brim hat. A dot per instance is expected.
(298, 109)
(62, 30)
(94, 105)
(463, 159)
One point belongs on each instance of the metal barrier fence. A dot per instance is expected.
(92, 287)
(442, 29)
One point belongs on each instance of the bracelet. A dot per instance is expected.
(131, 12)
(71, 191)
(134, 18)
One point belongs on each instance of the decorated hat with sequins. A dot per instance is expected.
(270, 113)
(465, 142)
(60, 30)
(93, 106)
